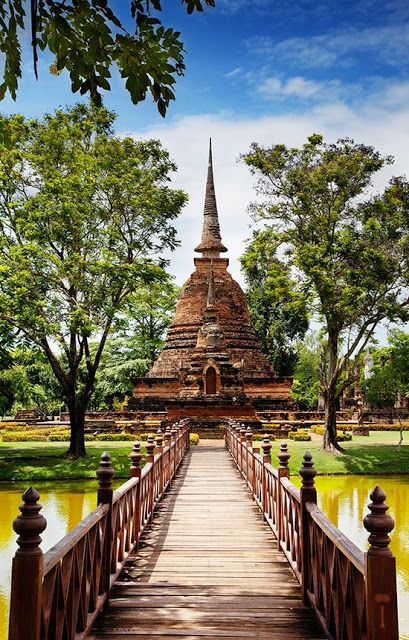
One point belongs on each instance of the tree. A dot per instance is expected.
(32, 382)
(137, 341)
(86, 38)
(348, 250)
(84, 219)
(389, 376)
(306, 383)
(277, 306)
(6, 345)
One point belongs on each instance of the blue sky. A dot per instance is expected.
(267, 71)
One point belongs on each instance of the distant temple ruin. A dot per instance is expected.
(211, 366)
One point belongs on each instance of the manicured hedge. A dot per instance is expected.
(299, 436)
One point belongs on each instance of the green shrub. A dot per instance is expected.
(115, 437)
(23, 437)
(194, 438)
(59, 437)
(260, 436)
(341, 435)
(299, 436)
(13, 426)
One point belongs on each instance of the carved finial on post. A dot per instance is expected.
(308, 493)
(159, 440)
(266, 446)
(105, 474)
(150, 448)
(26, 579)
(174, 433)
(242, 433)
(249, 437)
(308, 472)
(379, 524)
(168, 436)
(284, 456)
(380, 572)
(136, 457)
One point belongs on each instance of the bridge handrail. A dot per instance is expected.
(352, 592)
(59, 594)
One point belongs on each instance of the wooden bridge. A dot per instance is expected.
(206, 543)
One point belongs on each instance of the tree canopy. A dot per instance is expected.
(86, 38)
(84, 219)
(277, 305)
(346, 248)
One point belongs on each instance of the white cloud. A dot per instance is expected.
(388, 44)
(187, 139)
(234, 73)
(297, 86)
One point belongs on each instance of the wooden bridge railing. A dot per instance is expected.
(58, 595)
(352, 593)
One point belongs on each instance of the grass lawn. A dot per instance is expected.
(46, 461)
(376, 454)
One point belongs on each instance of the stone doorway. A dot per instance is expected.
(211, 381)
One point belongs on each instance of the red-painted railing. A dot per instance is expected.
(57, 596)
(352, 593)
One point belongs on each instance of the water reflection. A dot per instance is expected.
(63, 506)
(344, 500)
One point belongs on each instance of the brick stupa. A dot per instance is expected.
(211, 366)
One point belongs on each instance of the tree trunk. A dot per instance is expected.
(77, 420)
(330, 434)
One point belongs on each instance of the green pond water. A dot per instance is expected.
(342, 498)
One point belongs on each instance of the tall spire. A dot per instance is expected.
(211, 243)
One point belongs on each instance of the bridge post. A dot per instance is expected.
(249, 457)
(150, 458)
(105, 473)
(380, 572)
(266, 446)
(283, 472)
(173, 433)
(168, 440)
(308, 493)
(243, 457)
(135, 472)
(159, 449)
(27, 570)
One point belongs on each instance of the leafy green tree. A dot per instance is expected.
(84, 219)
(88, 37)
(32, 382)
(6, 346)
(277, 305)
(348, 250)
(137, 341)
(389, 376)
(306, 384)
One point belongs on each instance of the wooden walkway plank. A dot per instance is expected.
(207, 567)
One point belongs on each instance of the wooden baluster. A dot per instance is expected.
(266, 446)
(308, 493)
(249, 457)
(283, 472)
(105, 474)
(27, 570)
(380, 572)
(173, 433)
(159, 449)
(135, 472)
(168, 439)
(243, 450)
(150, 458)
